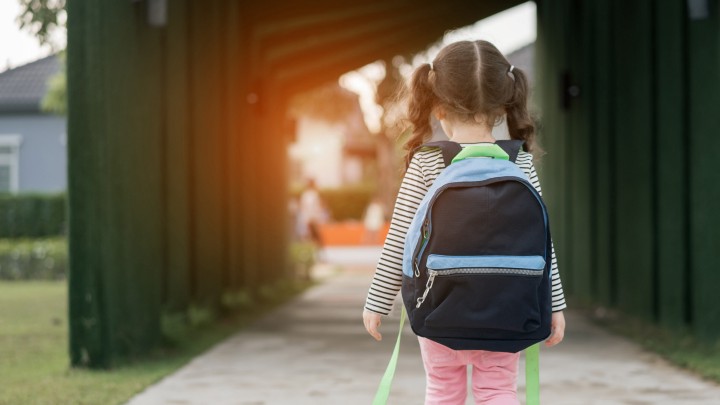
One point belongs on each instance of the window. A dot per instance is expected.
(10, 163)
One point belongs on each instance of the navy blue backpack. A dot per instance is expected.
(477, 259)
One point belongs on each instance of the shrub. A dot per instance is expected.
(22, 259)
(344, 203)
(32, 215)
(302, 259)
(347, 202)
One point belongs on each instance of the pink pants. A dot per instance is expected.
(494, 375)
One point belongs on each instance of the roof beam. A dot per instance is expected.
(298, 51)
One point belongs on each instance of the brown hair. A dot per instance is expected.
(472, 81)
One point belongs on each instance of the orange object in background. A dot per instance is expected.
(350, 233)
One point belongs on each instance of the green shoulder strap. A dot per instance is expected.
(532, 375)
(489, 150)
(532, 372)
(383, 391)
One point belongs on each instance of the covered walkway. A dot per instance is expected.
(178, 185)
(315, 351)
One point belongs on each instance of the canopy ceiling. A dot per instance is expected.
(300, 45)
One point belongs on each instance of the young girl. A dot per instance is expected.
(469, 87)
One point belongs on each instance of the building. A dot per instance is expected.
(33, 144)
(334, 152)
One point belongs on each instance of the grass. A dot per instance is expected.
(34, 364)
(676, 345)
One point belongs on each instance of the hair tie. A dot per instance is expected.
(431, 66)
(511, 68)
(510, 72)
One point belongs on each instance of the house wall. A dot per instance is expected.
(319, 149)
(43, 151)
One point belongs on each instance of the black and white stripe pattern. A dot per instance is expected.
(422, 172)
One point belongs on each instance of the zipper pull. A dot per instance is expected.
(426, 236)
(428, 286)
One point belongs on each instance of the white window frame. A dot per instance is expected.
(14, 141)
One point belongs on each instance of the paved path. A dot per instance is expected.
(315, 351)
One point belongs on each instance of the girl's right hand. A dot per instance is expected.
(372, 323)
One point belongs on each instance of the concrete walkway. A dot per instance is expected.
(316, 351)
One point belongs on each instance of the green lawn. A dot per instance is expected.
(676, 345)
(34, 365)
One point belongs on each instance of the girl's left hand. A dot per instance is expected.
(557, 329)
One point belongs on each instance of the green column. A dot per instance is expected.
(601, 145)
(551, 61)
(633, 142)
(579, 150)
(88, 331)
(671, 156)
(236, 78)
(208, 151)
(271, 186)
(177, 159)
(704, 121)
(116, 189)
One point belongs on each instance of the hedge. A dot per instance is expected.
(345, 202)
(47, 259)
(23, 259)
(32, 215)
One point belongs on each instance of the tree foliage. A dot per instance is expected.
(41, 18)
(55, 100)
(328, 102)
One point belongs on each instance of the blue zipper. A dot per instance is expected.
(426, 238)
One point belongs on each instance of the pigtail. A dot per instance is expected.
(520, 124)
(420, 105)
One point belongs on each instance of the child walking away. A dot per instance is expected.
(469, 240)
(311, 215)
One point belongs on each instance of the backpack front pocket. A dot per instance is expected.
(483, 292)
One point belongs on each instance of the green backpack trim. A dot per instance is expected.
(489, 150)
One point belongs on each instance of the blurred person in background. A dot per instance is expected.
(373, 220)
(311, 214)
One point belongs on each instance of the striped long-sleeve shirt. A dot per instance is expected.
(424, 168)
